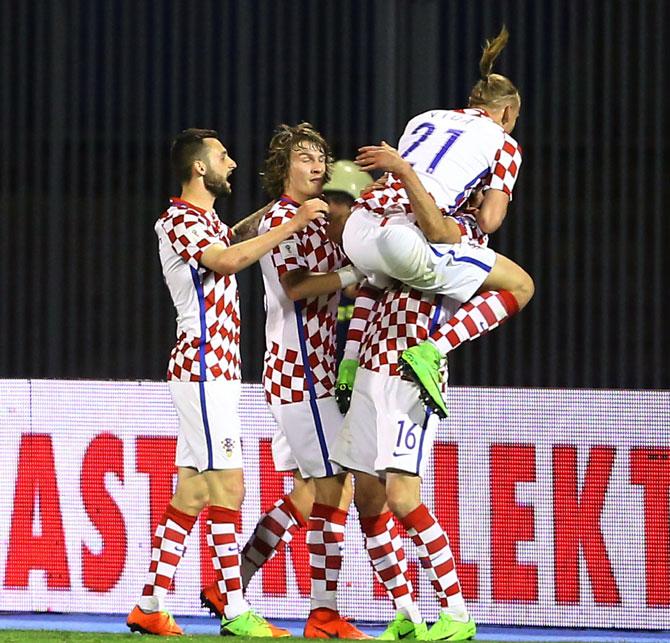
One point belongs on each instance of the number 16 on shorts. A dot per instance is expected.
(413, 442)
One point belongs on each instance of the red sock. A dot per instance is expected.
(325, 538)
(273, 531)
(384, 547)
(481, 314)
(167, 550)
(435, 555)
(222, 541)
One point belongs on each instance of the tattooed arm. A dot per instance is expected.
(247, 228)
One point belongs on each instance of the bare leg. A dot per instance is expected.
(506, 290)
(507, 275)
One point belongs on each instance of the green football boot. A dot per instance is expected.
(422, 364)
(402, 628)
(251, 625)
(448, 629)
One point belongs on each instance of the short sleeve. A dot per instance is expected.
(190, 236)
(505, 167)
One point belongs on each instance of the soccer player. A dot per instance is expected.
(346, 184)
(444, 156)
(279, 524)
(299, 381)
(199, 262)
(386, 441)
(302, 277)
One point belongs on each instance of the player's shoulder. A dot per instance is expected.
(511, 145)
(492, 136)
(281, 211)
(179, 211)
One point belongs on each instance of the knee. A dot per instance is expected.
(237, 493)
(332, 491)
(519, 283)
(369, 495)
(402, 495)
(399, 503)
(190, 504)
(191, 497)
(302, 496)
(365, 502)
(197, 501)
(227, 492)
(526, 290)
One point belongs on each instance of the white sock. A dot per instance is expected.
(412, 613)
(457, 615)
(150, 604)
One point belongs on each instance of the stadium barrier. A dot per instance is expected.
(556, 503)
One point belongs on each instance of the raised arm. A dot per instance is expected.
(436, 227)
(227, 260)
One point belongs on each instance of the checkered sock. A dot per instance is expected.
(225, 553)
(435, 555)
(166, 551)
(384, 547)
(274, 530)
(325, 538)
(365, 301)
(481, 314)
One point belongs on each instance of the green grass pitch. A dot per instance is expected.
(43, 636)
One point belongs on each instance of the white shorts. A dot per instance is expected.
(399, 250)
(305, 432)
(209, 425)
(386, 427)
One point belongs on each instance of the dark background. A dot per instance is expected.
(92, 92)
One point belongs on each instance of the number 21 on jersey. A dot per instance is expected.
(425, 131)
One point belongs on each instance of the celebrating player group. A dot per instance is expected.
(412, 250)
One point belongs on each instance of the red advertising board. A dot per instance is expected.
(556, 504)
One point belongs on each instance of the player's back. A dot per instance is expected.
(452, 151)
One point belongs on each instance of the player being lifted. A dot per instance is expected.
(444, 156)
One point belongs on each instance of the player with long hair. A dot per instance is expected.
(405, 230)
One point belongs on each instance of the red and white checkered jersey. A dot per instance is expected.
(453, 152)
(207, 303)
(300, 336)
(402, 317)
(470, 230)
